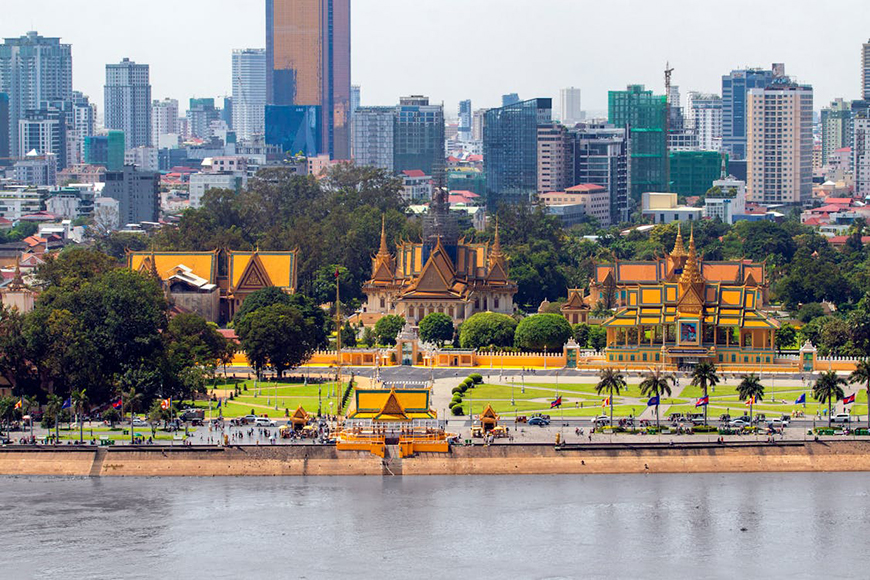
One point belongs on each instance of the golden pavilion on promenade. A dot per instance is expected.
(403, 417)
(441, 274)
(679, 311)
(215, 284)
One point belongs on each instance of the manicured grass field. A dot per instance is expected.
(115, 434)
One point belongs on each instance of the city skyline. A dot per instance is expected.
(430, 57)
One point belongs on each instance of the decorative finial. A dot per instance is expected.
(17, 281)
(679, 249)
(383, 249)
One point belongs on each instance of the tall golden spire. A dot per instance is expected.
(383, 249)
(692, 271)
(496, 243)
(679, 250)
(153, 270)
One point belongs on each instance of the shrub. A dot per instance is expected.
(705, 429)
(457, 398)
(476, 378)
(468, 382)
(456, 410)
(455, 390)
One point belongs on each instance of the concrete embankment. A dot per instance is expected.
(478, 460)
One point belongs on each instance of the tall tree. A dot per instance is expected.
(750, 389)
(611, 381)
(436, 328)
(704, 376)
(829, 389)
(655, 384)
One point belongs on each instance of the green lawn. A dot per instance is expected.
(115, 434)
(284, 389)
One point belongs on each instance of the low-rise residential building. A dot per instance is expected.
(19, 201)
(37, 170)
(662, 208)
(576, 204)
(417, 185)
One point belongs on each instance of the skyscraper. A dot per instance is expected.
(643, 115)
(865, 71)
(704, 117)
(509, 99)
(355, 98)
(128, 101)
(419, 137)
(373, 136)
(199, 117)
(735, 86)
(836, 127)
(43, 130)
(4, 126)
(308, 64)
(164, 120)
(600, 155)
(510, 148)
(779, 162)
(861, 153)
(33, 69)
(465, 119)
(249, 92)
(572, 113)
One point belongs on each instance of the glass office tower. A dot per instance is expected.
(308, 64)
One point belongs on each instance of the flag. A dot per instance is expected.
(336, 273)
(850, 399)
(166, 404)
(653, 402)
(750, 401)
(557, 402)
(802, 400)
(118, 404)
(219, 403)
(19, 404)
(605, 402)
(66, 404)
(702, 402)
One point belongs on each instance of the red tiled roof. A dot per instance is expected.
(4, 221)
(414, 173)
(841, 240)
(585, 188)
(839, 200)
(475, 157)
(813, 221)
(843, 150)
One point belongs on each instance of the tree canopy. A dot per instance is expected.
(487, 329)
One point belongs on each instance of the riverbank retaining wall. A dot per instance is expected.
(477, 460)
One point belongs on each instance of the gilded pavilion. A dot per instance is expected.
(215, 284)
(679, 311)
(440, 274)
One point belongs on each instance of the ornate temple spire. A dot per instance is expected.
(153, 270)
(17, 281)
(384, 250)
(692, 270)
(679, 250)
(496, 243)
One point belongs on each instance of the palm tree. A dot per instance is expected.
(829, 389)
(132, 399)
(750, 389)
(53, 407)
(655, 384)
(79, 400)
(705, 376)
(29, 403)
(612, 381)
(861, 374)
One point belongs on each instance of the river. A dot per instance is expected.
(675, 526)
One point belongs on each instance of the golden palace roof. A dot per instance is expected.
(393, 405)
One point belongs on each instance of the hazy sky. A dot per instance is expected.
(478, 49)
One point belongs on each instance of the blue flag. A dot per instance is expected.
(219, 403)
(66, 404)
(653, 402)
(802, 400)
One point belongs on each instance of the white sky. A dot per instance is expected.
(478, 49)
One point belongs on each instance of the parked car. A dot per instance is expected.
(779, 422)
(841, 418)
(740, 423)
(191, 414)
(250, 419)
(539, 421)
(601, 420)
(264, 422)
(137, 422)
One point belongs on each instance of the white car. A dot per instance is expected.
(137, 422)
(841, 418)
(264, 422)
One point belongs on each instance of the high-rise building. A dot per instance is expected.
(200, 116)
(33, 69)
(865, 71)
(308, 65)
(164, 120)
(419, 137)
(137, 193)
(465, 120)
(510, 150)
(128, 101)
(227, 112)
(861, 154)
(599, 155)
(509, 99)
(249, 92)
(355, 99)
(294, 129)
(693, 172)
(83, 125)
(704, 117)
(735, 87)
(571, 111)
(4, 127)
(554, 160)
(836, 127)
(373, 136)
(43, 131)
(106, 150)
(779, 126)
(643, 115)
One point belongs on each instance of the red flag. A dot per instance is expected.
(336, 273)
(850, 399)
(117, 404)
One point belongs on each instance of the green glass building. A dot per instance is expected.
(106, 150)
(644, 115)
(693, 172)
